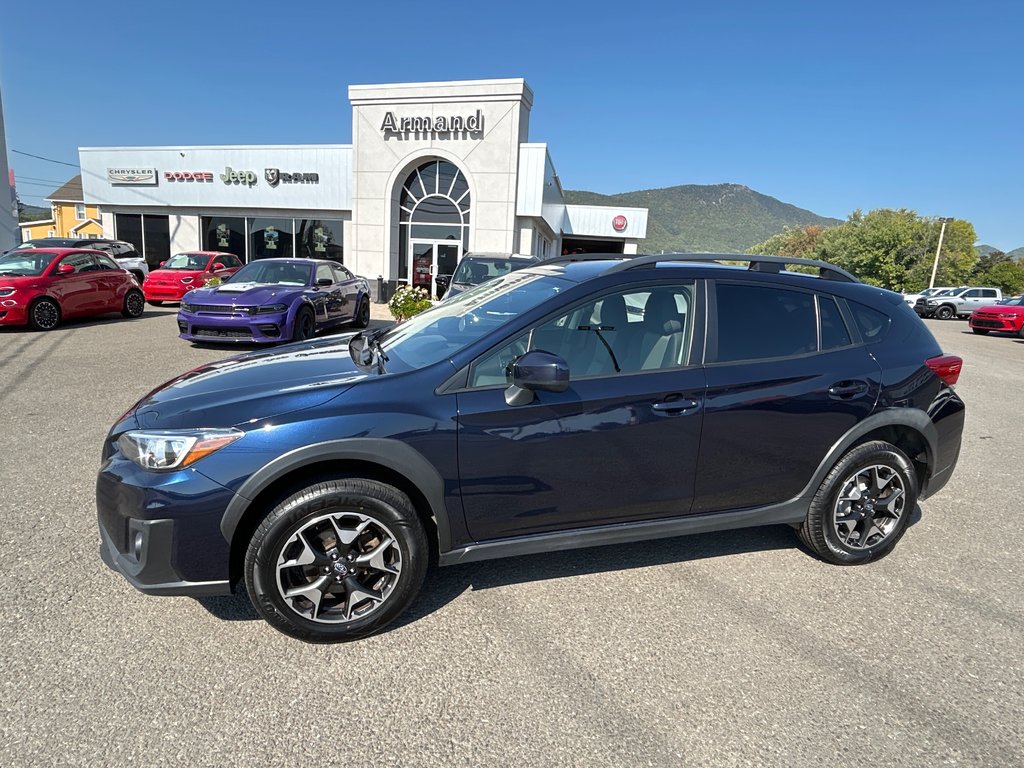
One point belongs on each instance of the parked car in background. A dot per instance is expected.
(958, 302)
(40, 288)
(536, 415)
(273, 300)
(1006, 317)
(476, 268)
(122, 252)
(184, 272)
(927, 293)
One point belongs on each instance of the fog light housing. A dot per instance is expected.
(137, 541)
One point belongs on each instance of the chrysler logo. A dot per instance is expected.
(131, 175)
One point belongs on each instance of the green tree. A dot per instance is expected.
(798, 242)
(999, 270)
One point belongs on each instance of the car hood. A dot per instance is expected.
(257, 385)
(245, 293)
(1001, 309)
(22, 281)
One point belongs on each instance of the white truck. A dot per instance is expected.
(959, 302)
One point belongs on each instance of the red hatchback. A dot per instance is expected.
(1007, 317)
(185, 271)
(40, 288)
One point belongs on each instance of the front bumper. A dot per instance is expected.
(270, 328)
(13, 312)
(996, 323)
(161, 530)
(166, 291)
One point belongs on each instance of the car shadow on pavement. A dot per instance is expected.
(444, 585)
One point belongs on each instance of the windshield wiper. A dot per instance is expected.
(597, 329)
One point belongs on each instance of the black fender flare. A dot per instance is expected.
(392, 454)
(914, 418)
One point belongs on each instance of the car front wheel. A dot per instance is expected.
(305, 325)
(944, 313)
(44, 315)
(863, 506)
(134, 304)
(337, 561)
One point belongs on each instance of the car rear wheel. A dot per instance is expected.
(337, 561)
(863, 506)
(305, 325)
(944, 312)
(362, 318)
(44, 315)
(134, 304)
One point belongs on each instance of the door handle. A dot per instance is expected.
(847, 390)
(675, 406)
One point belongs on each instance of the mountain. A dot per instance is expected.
(1017, 254)
(985, 250)
(716, 217)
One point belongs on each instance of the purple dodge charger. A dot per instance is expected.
(274, 300)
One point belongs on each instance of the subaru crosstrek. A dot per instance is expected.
(583, 401)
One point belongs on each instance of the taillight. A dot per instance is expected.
(946, 367)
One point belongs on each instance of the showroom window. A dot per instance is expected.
(150, 235)
(274, 237)
(319, 239)
(224, 233)
(270, 238)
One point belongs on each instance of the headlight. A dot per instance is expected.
(186, 280)
(269, 308)
(6, 291)
(185, 307)
(173, 448)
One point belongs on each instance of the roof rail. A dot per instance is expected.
(826, 271)
(571, 257)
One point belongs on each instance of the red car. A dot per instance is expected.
(1007, 317)
(185, 271)
(40, 287)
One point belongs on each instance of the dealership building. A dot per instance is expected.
(434, 170)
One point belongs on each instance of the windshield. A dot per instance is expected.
(32, 264)
(475, 270)
(272, 273)
(446, 328)
(195, 261)
(1016, 301)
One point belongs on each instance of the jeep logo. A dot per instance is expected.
(231, 176)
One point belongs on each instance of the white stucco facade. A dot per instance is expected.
(449, 164)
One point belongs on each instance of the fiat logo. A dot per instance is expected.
(619, 223)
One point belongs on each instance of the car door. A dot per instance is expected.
(616, 446)
(782, 389)
(329, 298)
(78, 291)
(348, 287)
(111, 279)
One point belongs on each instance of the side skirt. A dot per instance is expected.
(789, 512)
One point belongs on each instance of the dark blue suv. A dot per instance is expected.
(583, 401)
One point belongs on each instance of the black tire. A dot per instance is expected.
(44, 314)
(980, 331)
(156, 303)
(393, 524)
(820, 531)
(305, 325)
(362, 318)
(134, 304)
(944, 312)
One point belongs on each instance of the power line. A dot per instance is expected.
(33, 178)
(47, 159)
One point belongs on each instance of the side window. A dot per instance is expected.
(625, 332)
(230, 261)
(974, 293)
(323, 272)
(82, 262)
(834, 333)
(340, 273)
(757, 321)
(105, 262)
(988, 293)
(872, 323)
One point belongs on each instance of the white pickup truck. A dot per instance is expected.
(958, 302)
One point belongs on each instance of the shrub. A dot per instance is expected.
(408, 301)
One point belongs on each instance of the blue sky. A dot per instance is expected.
(829, 106)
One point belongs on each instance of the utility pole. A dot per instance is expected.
(935, 267)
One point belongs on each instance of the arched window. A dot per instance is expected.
(434, 204)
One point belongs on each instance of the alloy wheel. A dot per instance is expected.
(46, 315)
(135, 304)
(869, 507)
(338, 567)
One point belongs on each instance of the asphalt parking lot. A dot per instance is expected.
(735, 648)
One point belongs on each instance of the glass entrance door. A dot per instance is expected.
(432, 264)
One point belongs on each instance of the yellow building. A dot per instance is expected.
(70, 216)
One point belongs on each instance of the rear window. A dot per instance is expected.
(757, 322)
(873, 324)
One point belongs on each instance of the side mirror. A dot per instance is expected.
(324, 281)
(162, 263)
(218, 265)
(536, 371)
(65, 269)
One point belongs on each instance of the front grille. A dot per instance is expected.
(220, 309)
(992, 315)
(223, 333)
(986, 323)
